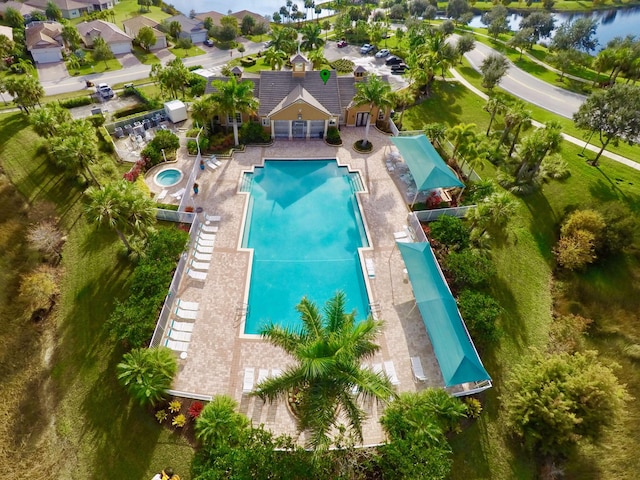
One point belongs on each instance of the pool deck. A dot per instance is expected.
(218, 352)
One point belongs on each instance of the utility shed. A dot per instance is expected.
(176, 111)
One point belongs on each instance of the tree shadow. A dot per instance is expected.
(543, 223)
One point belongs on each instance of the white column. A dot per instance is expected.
(308, 129)
(326, 127)
(273, 129)
(290, 129)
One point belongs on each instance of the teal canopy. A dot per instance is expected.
(427, 167)
(458, 358)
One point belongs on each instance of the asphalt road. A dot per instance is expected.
(529, 88)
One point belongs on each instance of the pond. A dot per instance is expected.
(262, 7)
(611, 23)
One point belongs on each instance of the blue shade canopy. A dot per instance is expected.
(427, 167)
(458, 358)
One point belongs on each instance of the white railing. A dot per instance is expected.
(187, 199)
(430, 215)
(165, 313)
(416, 227)
(394, 129)
(175, 216)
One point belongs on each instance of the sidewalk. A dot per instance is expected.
(576, 141)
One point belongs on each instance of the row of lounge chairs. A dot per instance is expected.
(263, 374)
(203, 249)
(213, 162)
(179, 331)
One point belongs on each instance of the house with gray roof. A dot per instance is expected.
(118, 41)
(25, 10)
(192, 28)
(216, 16)
(74, 8)
(299, 104)
(133, 25)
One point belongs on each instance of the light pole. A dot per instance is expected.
(585, 145)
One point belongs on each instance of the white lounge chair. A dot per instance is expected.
(418, 371)
(275, 372)
(196, 275)
(391, 372)
(180, 336)
(162, 194)
(205, 243)
(178, 195)
(263, 374)
(204, 249)
(377, 368)
(371, 268)
(203, 257)
(200, 265)
(206, 236)
(176, 345)
(247, 384)
(186, 314)
(182, 326)
(212, 218)
(208, 228)
(187, 305)
(399, 235)
(211, 165)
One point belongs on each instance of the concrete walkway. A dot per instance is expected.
(569, 138)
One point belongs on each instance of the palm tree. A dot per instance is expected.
(461, 135)
(376, 93)
(317, 58)
(47, 120)
(493, 213)
(311, 37)
(75, 147)
(536, 147)
(497, 103)
(219, 423)
(283, 38)
(121, 206)
(327, 379)
(147, 373)
(233, 97)
(275, 58)
(516, 118)
(403, 99)
(203, 111)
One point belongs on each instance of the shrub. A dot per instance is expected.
(96, 120)
(621, 227)
(175, 406)
(179, 421)
(147, 373)
(343, 65)
(132, 110)
(451, 232)
(192, 147)
(333, 136)
(195, 409)
(219, 423)
(46, 238)
(253, 132)
(587, 220)
(204, 144)
(39, 289)
(469, 268)
(566, 333)
(480, 312)
(576, 251)
(248, 61)
(133, 319)
(164, 139)
(197, 85)
(474, 407)
(76, 102)
(478, 191)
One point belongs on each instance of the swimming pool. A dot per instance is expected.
(305, 228)
(168, 177)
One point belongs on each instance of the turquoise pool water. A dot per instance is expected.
(305, 227)
(168, 177)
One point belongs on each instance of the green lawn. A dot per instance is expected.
(94, 67)
(182, 53)
(129, 8)
(146, 58)
(97, 432)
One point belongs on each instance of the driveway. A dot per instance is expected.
(128, 60)
(52, 72)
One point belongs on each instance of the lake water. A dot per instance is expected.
(611, 23)
(263, 7)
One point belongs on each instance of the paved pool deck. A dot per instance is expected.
(219, 352)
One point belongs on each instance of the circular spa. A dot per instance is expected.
(168, 177)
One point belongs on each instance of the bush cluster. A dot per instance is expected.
(132, 110)
(76, 102)
(163, 140)
(333, 136)
(252, 132)
(134, 318)
(343, 65)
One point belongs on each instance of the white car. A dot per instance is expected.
(366, 48)
(105, 91)
(382, 53)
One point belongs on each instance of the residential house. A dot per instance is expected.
(44, 41)
(75, 8)
(192, 28)
(299, 104)
(216, 16)
(133, 25)
(25, 10)
(118, 41)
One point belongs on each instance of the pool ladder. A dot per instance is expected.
(242, 310)
(375, 310)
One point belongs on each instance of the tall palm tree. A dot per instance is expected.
(328, 378)
(536, 147)
(122, 207)
(147, 373)
(233, 97)
(375, 93)
(75, 147)
(284, 38)
(403, 99)
(203, 111)
(493, 213)
(461, 135)
(311, 37)
(497, 103)
(275, 58)
(317, 58)
(47, 120)
(516, 118)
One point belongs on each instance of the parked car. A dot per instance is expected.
(342, 43)
(268, 44)
(208, 42)
(393, 60)
(399, 69)
(366, 48)
(382, 53)
(105, 91)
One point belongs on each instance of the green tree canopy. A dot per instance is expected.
(373, 92)
(233, 97)
(101, 51)
(147, 373)
(146, 38)
(554, 401)
(493, 68)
